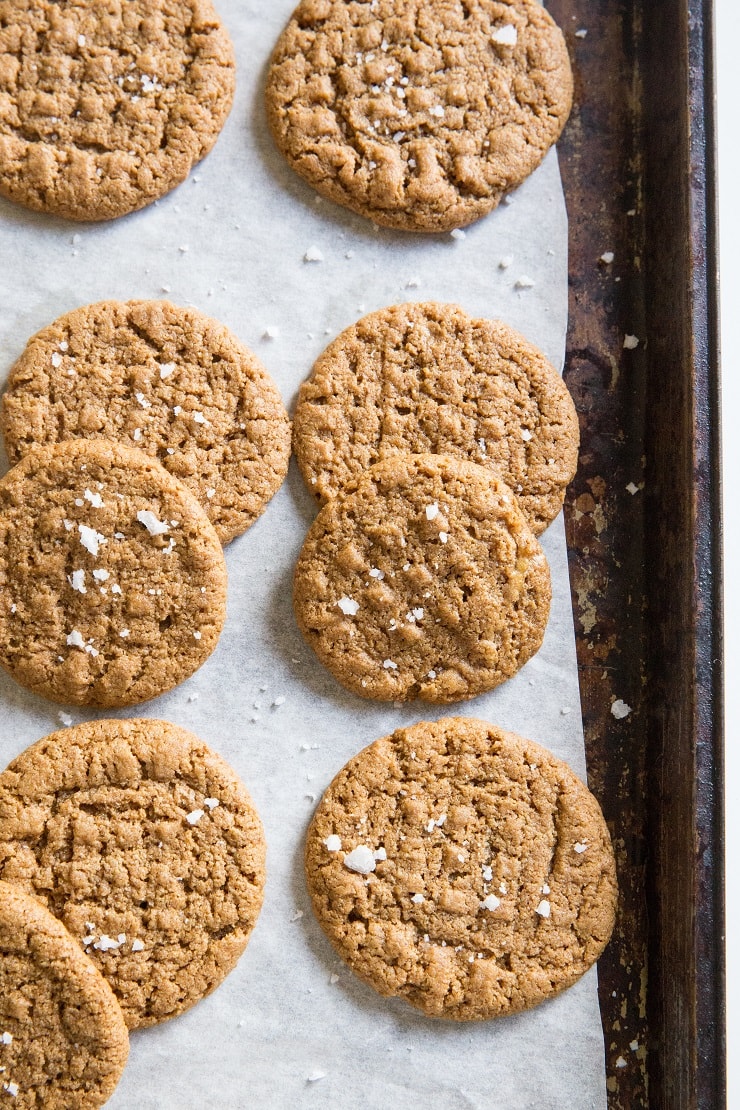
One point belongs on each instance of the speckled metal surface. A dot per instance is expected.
(643, 523)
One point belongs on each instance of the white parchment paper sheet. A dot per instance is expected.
(231, 241)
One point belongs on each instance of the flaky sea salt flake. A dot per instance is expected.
(94, 498)
(153, 525)
(333, 843)
(313, 254)
(91, 540)
(490, 902)
(630, 342)
(620, 709)
(77, 581)
(505, 36)
(361, 860)
(194, 817)
(544, 908)
(348, 606)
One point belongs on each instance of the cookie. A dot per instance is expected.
(167, 380)
(430, 378)
(105, 107)
(63, 1040)
(422, 581)
(463, 869)
(112, 579)
(146, 845)
(419, 114)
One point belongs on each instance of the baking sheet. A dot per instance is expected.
(231, 241)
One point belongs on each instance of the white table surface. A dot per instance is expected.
(728, 84)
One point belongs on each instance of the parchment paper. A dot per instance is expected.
(231, 241)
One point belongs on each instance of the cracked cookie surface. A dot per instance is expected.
(420, 114)
(112, 579)
(63, 1040)
(422, 580)
(146, 845)
(463, 869)
(429, 378)
(105, 107)
(167, 380)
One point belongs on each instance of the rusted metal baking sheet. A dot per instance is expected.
(644, 526)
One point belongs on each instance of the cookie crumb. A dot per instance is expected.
(524, 282)
(505, 262)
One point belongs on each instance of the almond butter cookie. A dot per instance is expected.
(423, 580)
(147, 846)
(112, 578)
(167, 380)
(430, 378)
(420, 114)
(105, 107)
(63, 1040)
(463, 869)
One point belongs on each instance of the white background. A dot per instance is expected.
(728, 37)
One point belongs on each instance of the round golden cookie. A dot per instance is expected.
(463, 869)
(429, 378)
(168, 380)
(112, 578)
(422, 581)
(105, 107)
(63, 1040)
(420, 114)
(146, 845)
